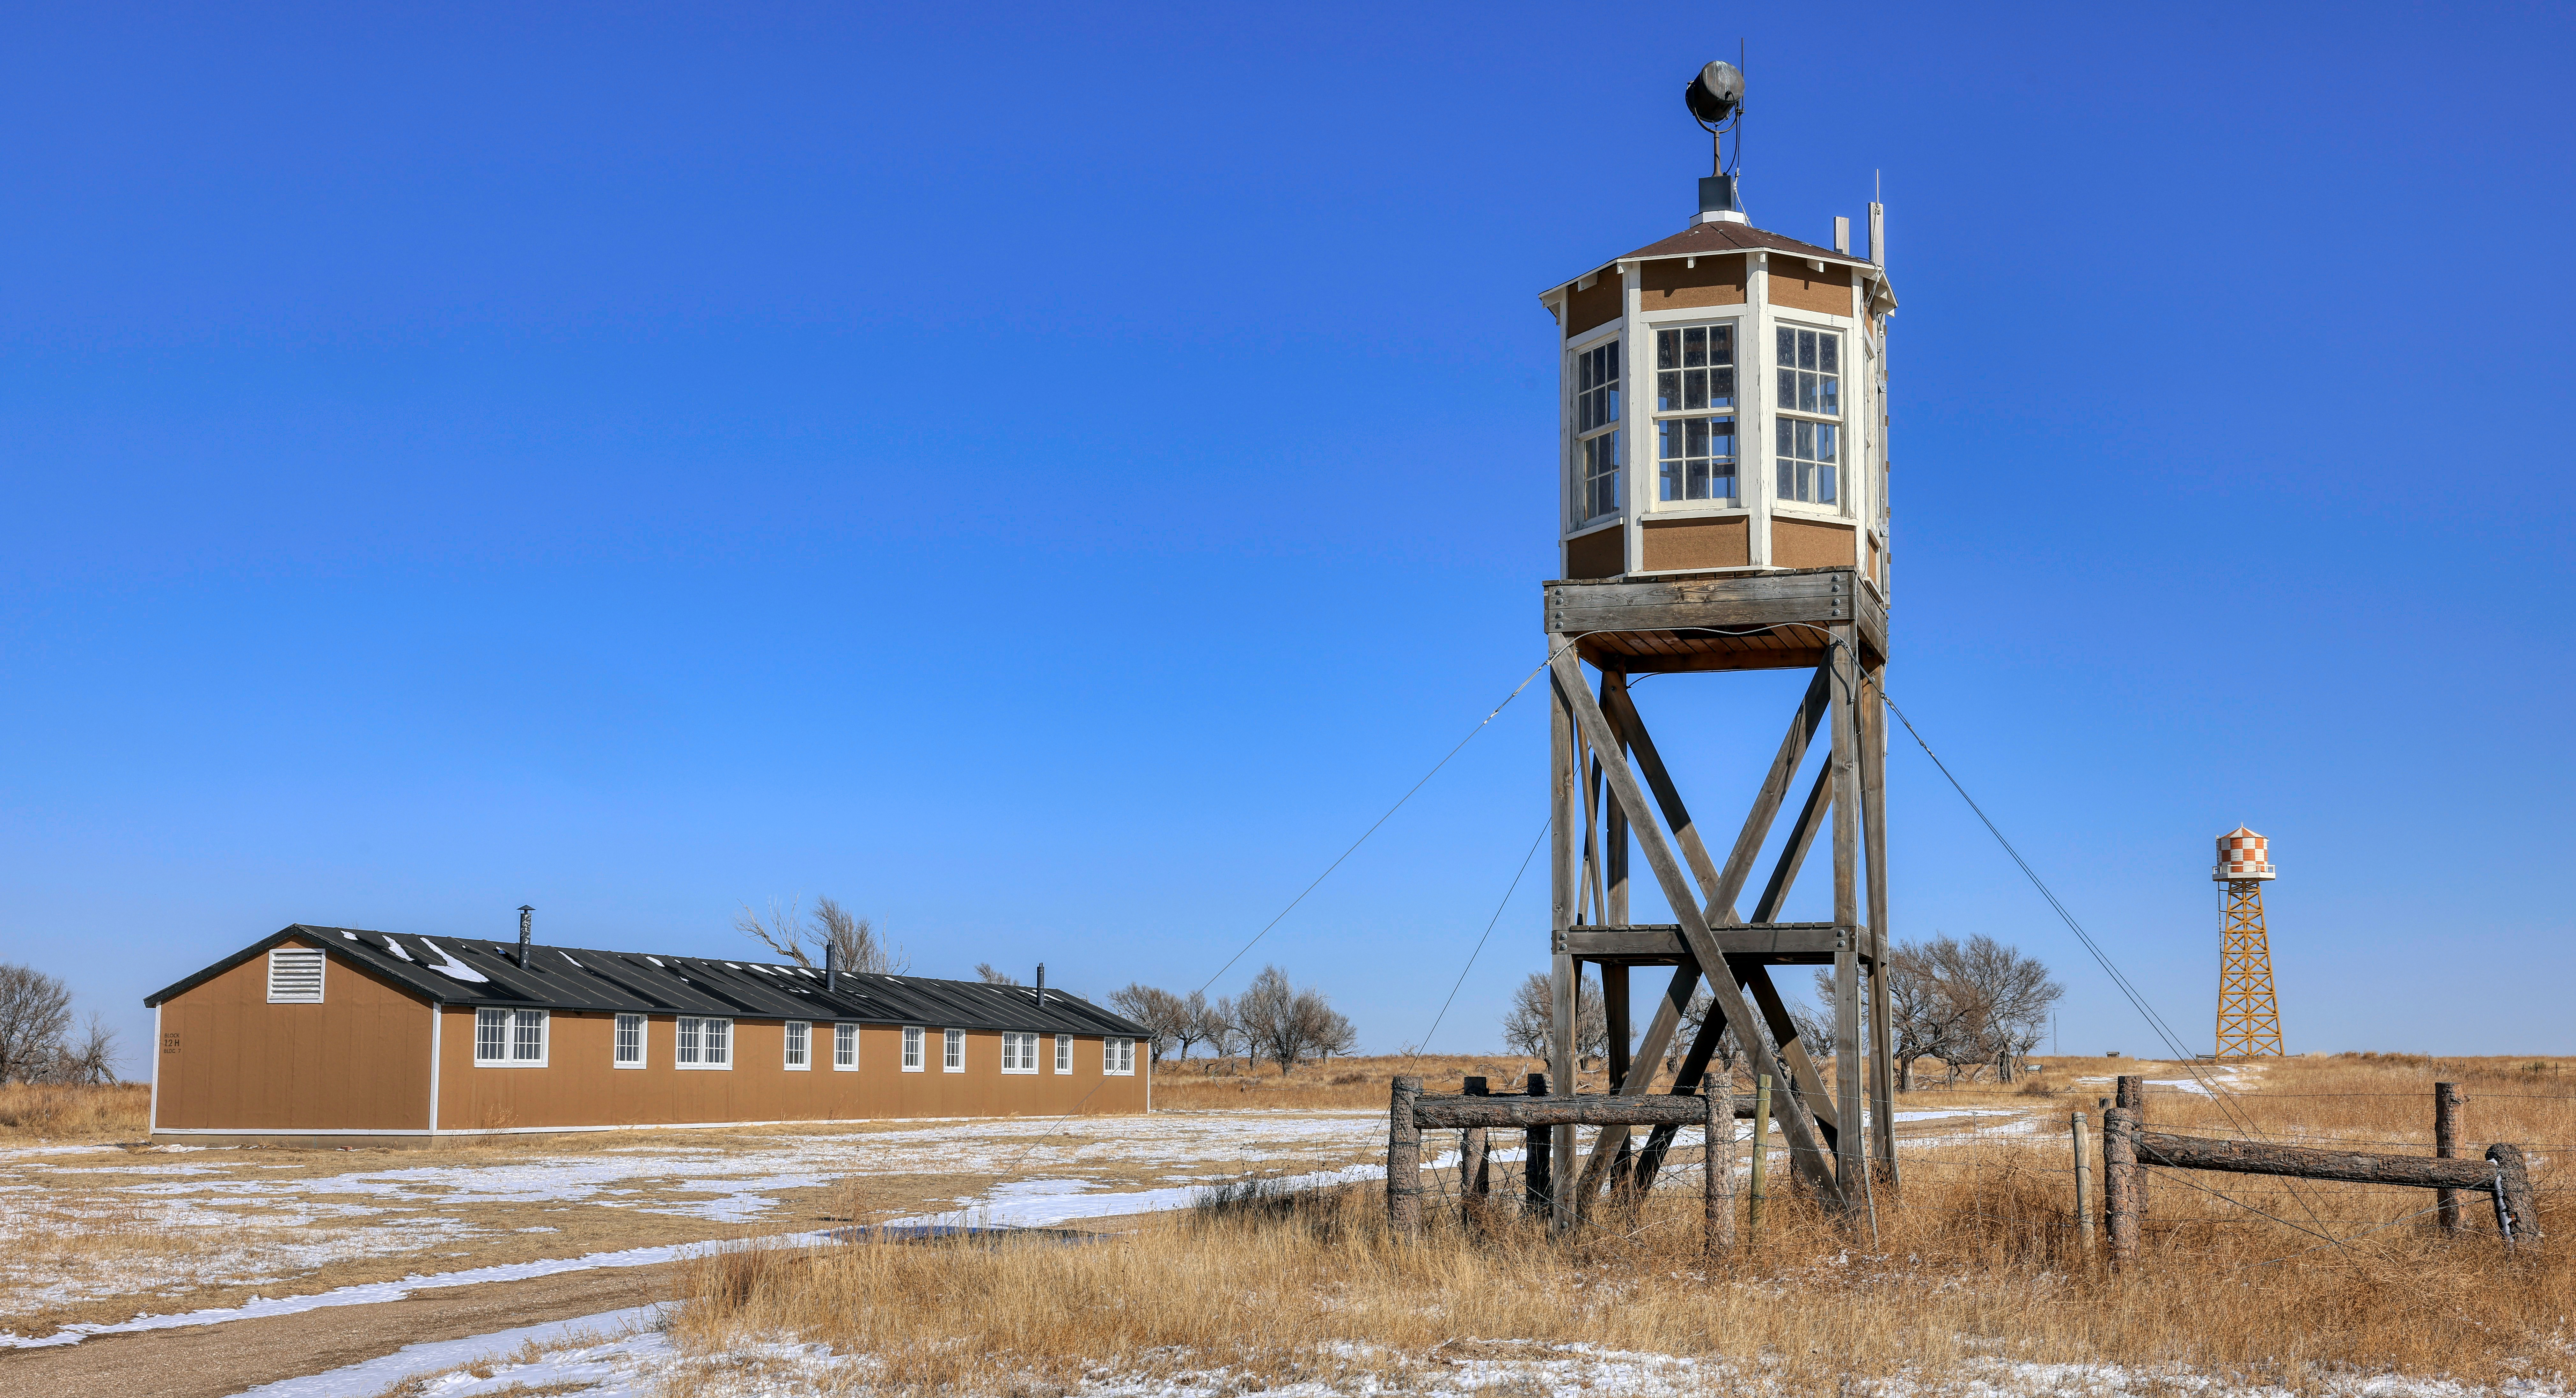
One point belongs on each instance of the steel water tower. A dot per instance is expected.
(2249, 1016)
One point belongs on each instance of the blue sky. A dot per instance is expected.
(1049, 478)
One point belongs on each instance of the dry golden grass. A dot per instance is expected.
(30, 1113)
(1974, 1260)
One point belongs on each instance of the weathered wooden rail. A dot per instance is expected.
(2127, 1147)
(1410, 1113)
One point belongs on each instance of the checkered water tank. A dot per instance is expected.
(2242, 854)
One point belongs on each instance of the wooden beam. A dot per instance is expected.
(1793, 851)
(1614, 835)
(2308, 1162)
(1458, 1112)
(1668, 799)
(1774, 790)
(1805, 1083)
(1823, 598)
(1664, 941)
(1799, 1126)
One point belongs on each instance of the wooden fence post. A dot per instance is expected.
(2133, 1095)
(1761, 1154)
(1717, 1184)
(2083, 1190)
(1403, 1159)
(1473, 1184)
(2120, 1185)
(1538, 1193)
(2516, 1218)
(2447, 1101)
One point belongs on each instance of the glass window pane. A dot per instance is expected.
(1789, 389)
(1806, 448)
(1806, 481)
(1825, 435)
(1668, 388)
(1829, 353)
(1723, 488)
(1721, 388)
(1829, 395)
(1699, 480)
(1806, 349)
(1721, 344)
(1786, 485)
(1695, 347)
(1722, 437)
(1695, 389)
(1668, 481)
(1824, 485)
(1786, 443)
(1806, 392)
(1788, 348)
(1667, 344)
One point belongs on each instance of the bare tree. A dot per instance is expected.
(1220, 1030)
(1165, 1016)
(1529, 1024)
(35, 1010)
(1968, 1004)
(854, 940)
(1192, 1026)
(1287, 1025)
(991, 974)
(1721, 1059)
(90, 1062)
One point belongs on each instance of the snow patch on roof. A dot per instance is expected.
(396, 947)
(452, 968)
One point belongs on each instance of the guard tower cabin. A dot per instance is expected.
(1723, 461)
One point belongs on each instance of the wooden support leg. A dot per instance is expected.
(2132, 1095)
(1566, 837)
(1538, 1191)
(1851, 1155)
(1475, 1183)
(1717, 1174)
(1873, 827)
(2516, 1218)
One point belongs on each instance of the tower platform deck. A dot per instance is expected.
(1725, 621)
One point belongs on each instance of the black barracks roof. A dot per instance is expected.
(462, 971)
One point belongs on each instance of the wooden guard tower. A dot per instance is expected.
(1723, 457)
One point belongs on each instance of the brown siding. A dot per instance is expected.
(1603, 553)
(1798, 543)
(1795, 284)
(1696, 543)
(1604, 303)
(359, 1061)
(580, 1086)
(1668, 285)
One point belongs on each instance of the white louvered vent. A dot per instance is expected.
(294, 977)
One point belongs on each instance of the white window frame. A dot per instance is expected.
(797, 1045)
(845, 1048)
(643, 1028)
(293, 961)
(691, 1048)
(1610, 431)
(914, 1057)
(1658, 417)
(1118, 1057)
(952, 1051)
(513, 1023)
(1786, 413)
(1019, 1053)
(1064, 1053)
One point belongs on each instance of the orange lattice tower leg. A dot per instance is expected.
(2249, 1015)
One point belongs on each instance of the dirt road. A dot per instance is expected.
(213, 1361)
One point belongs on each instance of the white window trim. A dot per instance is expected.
(787, 1045)
(1842, 511)
(851, 1033)
(702, 1065)
(1579, 485)
(1652, 434)
(643, 1040)
(1064, 1053)
(952, 1050)
(510, 1038)
(1109, 1057)
(297, 956)
(916, 1053)
(1025, 1041)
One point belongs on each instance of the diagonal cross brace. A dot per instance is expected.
(1571, 691)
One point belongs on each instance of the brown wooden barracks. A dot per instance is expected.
(330, 1035)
